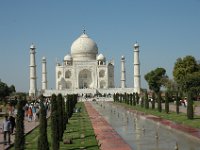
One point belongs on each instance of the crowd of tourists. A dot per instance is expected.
(31, 113)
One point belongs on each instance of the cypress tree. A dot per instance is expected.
(142, 102)
(60, 116)
(177, 103)
(54, 124)
(43, 143)
(159, 102)
(66, 110)
(137, 98)
(131, 99)
(167, 102)
(64, 114)
(190, 111)
(134, 101)
(19, 135)
(146, 101)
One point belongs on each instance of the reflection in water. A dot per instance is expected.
(141, 133)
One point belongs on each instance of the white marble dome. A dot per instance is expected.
(84, 48)
(67, 58)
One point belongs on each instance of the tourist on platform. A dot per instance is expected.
(30, 114)
(6, 130)
(34, 112)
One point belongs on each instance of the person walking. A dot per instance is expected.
(6, 130)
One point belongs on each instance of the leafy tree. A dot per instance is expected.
(156, 79)
(146, 100)
(167, 102)
(19, 135)
(5, 90)
(153, 100)
(43, 143)
(159, 102)
(186, 73)
(190, 111)
(177, 102)
(12, 89)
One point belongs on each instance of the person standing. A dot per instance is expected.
(6, 130)
(30, 114)
(12, 122)
(34, 112)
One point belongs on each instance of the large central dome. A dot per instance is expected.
(84, 48)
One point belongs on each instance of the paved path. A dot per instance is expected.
(107, 136)
(29, 126)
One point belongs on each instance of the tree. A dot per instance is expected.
(190, 111)
(5, 90)
(153, 100)
(146, 100)
(43, 143)
(177, 102)
(60, 115)
(159, 102)
(167, 102)
(54, 123)
(186, 73)
(137, 98)
(134, 101)
(156, 79)
(19, 135)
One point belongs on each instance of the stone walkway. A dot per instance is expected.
(108, 138)
(29, 126)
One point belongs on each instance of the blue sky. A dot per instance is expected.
(165, 30)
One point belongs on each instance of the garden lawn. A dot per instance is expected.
(79, 129)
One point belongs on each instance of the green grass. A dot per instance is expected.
(180, 118)
(79, 124)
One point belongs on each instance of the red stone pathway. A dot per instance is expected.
(107, 136)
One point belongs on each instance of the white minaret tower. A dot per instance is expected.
(123, 73)
(136, 67)
(44, 73)
(33, 78)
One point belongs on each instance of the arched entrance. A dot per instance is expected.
(85, 79)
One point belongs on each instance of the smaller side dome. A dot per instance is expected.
(122, 57)
(32, 46)
(136, 45)
(100, 57)
(43, 58)
(68, 57)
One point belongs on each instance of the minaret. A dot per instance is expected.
(44, 73)
(136, 67)
(123, 73)
(33, 78)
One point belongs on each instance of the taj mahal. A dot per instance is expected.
(84, 71)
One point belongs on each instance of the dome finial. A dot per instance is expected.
(83, 29)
